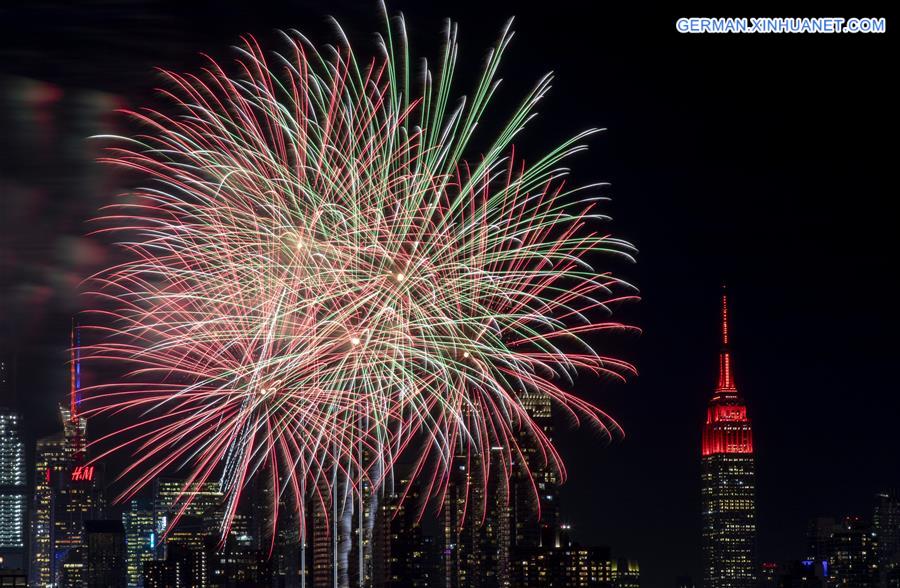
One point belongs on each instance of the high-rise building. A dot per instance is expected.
(854, 555)
(288, 553)
(488, 531)
(13, 483)
(185, 513)
(321, 542)
(51, 463)
(360, 539)
(78, 498)
(71, 574)
(161, 574)
(358, 525)
(339, 546)
(886, 522)
(77, 494)
(104, 556)
(535, 498)
(140, 540)
(13, 489)
(188, 563)
(728, 481)
(235, 566)
(477, 528)
(66, 491)
(459, 548)
(403, 556)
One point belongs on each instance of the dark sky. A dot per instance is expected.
(760, 160)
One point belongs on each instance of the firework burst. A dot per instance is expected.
(319, 278)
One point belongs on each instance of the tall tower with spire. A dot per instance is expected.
(66, 491)
(74, 425)
(728, 481)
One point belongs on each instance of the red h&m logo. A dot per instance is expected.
(83, 474)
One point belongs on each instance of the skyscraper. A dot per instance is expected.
(13, 489)
(478, 526)
(488, 531)
(402, 556)
(104, 554)
(854, 556)
(321, 542)
(66, 491)
(234, 566)
(50, 461)
(728, 481)
(886, 523)
(140, 539)
(185, 513)
(536, 517)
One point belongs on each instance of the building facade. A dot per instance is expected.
(185, 513)
(886, 523)
(535, 501)
(13, 473)
(728, 482)
(66, 493)
(104, 559)
(13, 490)
(492, 535)
(403, 555)
(854, 555)
(140, 540)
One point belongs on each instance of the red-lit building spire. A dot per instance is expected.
(728, 478)
(727, 428)
(726, 381)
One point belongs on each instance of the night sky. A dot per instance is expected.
(762, 161)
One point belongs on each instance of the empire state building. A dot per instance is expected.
(728, 481)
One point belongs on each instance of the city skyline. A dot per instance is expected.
(714, 176)
(861, 549)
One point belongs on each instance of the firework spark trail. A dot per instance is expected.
(318, 281)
